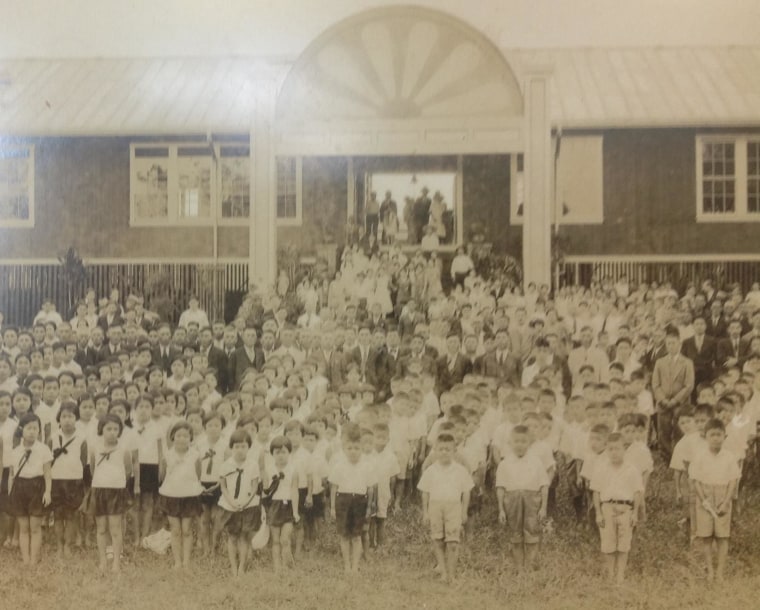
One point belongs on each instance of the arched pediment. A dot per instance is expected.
(399, 63)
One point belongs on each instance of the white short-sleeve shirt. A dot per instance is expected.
(147, 438)
(715, 468)
(7, 430)
(248, 472)
(27, 462)
(353, 478)
(526, 473)
(445, 483)
(67, 456)
(616, 482)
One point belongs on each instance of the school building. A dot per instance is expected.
(645, 161)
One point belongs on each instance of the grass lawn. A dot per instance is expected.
(663, 574)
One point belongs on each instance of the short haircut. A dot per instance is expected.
(601, 430)
(714, 424)
(704, 409)
(520, 429)
(445, 437)
(280, 442)
(615, 437)
(293, 424)
(110, 418)
(69, 407)
(180, 425)
(240, 435)
(214, 415)
(29, 418)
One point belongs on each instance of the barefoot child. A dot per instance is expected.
(352, 485)
(69, 447)
(618, 489)
(212, 450)
(110, 464)
(715, 472)
(239, 481)
(29, 487)
(445, 487)
(522, 488)
(283, 510)
(179, 494)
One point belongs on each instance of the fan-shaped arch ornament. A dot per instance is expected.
(400, 63)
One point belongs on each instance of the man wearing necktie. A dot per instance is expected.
(731, 351)
(452, 366)
(701, 350)
(672, 384)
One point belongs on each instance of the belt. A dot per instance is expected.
(623, 502)
(340, 493)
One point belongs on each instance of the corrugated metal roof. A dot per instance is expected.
(591, 88)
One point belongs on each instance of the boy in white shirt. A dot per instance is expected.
(618, 489)
(522, 488)
(445, 488)
(593, 455)
(386, 469)
(636, 452)
(715, 473)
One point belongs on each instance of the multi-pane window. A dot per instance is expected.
(728, 178)
(288, 189)
(235, 181)
(16, 185)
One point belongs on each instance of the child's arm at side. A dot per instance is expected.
(544, 502)
(294, 499)
(136, 471)
(333, 493)
(638, 498)
(465, 505)
(598, 509)
(226, 493)
(83, 453)
(500, 494)
(161, 470)
(425, 505)
(722, 508)
(47, 474)
(128, 465)
(678, 483)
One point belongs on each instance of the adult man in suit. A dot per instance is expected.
(114, 342)
(215, 358)
(500, 363)
(92, 353)
(731, 351)
(267, 345)
(701, 349)
(383, 360)
(244, 358)
(716, 321)
(416, 354)
(363, 355)
(672, 384)
(112, 317)
(376, 318)
(452, 365)
(329, 358)
(164, 352)
(656, 349)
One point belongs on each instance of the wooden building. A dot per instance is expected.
(644, 160)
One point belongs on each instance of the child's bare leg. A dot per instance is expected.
(101, 524)
(24, 538)
(707, 550)
(216, 528)
(531, 552)
(518, 555)
(399, 493)
(452, 556)
(175, 526)
(345, 552)
(204, 530)
(286, 535)
(356, 553)
(187, 541)
(379, 532)
(722, 544)
(299, 536)
(117, 540)
(232, 554)
(146, 504)
(276, 550)
(608, 560)
(364, 541)
(71, 533)
(243, 546)
(439, 548)
(621, 561)
(372, 532)
(35, 539)
(60, 534)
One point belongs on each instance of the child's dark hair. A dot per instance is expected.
(280, 442)
(240, 435)
(69, 407)
(180, 425)
(352, 433)
(445, 437)
(600, 429)
(714, 424)
(293, 424)
(110, 418)
(311, 431)
(615, 437)
(685, 411)
(29, 418)
(212, 416)
(626, 419)
(704, 409)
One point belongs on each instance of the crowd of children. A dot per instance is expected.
(232, 432)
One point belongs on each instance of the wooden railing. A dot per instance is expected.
(23, 286)
(679, 270)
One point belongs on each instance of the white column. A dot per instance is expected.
(262, 248)
(537, 212)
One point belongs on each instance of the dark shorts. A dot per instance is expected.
(350, 514)
(108, 501)
(26, 497)
(67, 495)
(180, 508)
(522, 516)
(280, 512)
(4, 500)
(242, 524)
(302, 510)
(148, 478)
(317, 509)
(210, 498)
